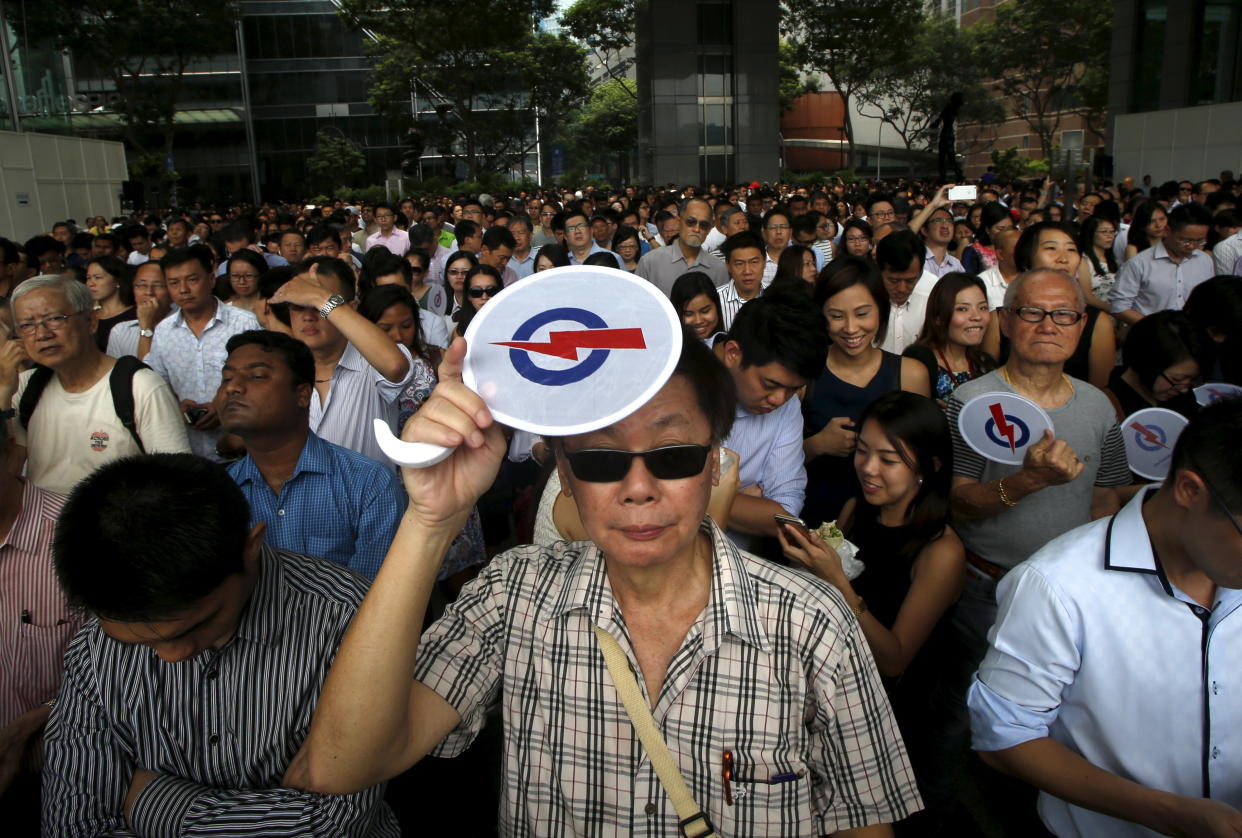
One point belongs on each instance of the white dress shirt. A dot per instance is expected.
(1095, 648)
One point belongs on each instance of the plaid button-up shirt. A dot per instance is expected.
(775, 670)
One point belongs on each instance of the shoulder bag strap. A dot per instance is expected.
(688, 812)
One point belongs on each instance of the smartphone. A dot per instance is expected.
(790, 520)
(963, 193)
(193, 414)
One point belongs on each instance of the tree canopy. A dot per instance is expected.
(144, 47)
(485, 70)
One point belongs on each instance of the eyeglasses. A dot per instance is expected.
(1060, 316)
(778, 227)
(573, 228)
(1191, 244)
(485, 291)
(1182, 382)
(53, 323)
(606, 465)
(217, 220)
(700, 223)
(884, 214)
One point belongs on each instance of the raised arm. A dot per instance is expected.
(373, 719)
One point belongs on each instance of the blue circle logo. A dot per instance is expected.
(1149, 437)
(520, 357)
(1020, 432)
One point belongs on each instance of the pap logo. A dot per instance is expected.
(99, 440)
(596, 337)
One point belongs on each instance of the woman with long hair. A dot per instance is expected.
(483, 283)
(1098, 271)
(852, 296)
(797, 262)
(981, 255)
(1216, 305)
(625, 244)
(858, 237)
(898, 517)
(110, 282)
(1165, 356)
(694, 297)
(950, 344)
(241, 279)
(551, 256)
(1147, 228)
(456, 268)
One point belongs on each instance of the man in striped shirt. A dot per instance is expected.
(744, 259)
(758, 678)
(191, 687)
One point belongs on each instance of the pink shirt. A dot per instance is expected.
(398, 242)
(36, 623)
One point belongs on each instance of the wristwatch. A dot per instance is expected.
(333, 301)
(146, 333)
(860, 608)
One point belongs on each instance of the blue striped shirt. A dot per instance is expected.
(338, 505)
(219, 729)
(769, 452)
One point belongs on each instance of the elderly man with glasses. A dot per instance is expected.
(663, 265)
(1005, 513)
(72, 426)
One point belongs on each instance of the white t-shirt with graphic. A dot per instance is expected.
(72, 434)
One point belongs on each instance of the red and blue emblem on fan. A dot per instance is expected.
(596, 338)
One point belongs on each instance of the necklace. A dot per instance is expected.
(1004, 371)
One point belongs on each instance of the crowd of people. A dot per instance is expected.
(230, 614)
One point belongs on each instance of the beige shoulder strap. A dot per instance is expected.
(689, 814)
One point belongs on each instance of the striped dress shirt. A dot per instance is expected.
(219, 729)
(35, 621)
(359, 394)
(730, 302)
(775, 669)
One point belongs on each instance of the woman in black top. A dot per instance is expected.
(1164, 358)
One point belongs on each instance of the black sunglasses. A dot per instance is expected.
(606, 465)
(487, 291)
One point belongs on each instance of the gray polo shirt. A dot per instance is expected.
(1089, 424)
(662, 266)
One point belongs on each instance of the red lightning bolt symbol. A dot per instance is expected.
(566, 344)
(1002, 426)
(1148, 434)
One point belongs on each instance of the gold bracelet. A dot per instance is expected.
(859, 608)
(1000, 489)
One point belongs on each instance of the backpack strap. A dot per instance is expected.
(30, 396)
(121, 381)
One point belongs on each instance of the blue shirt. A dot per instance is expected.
(191, 364)
(1094, 647)
(1152, 281)
(769, 451)
(338, 505)
(595, 248)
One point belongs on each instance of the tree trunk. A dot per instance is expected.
(849, 131)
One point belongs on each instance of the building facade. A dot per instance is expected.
(707, 91)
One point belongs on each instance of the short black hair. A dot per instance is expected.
(173, 258)
(336, 268)
(782, 328)
(896, 250)
(36, 246)
(847, 271)
(1184, 215)
(1208, 447)
(322, 232)
(497, 236)
(296, 355)
(1163, 339)
(740, 241)
(465, 229)
(143, 538)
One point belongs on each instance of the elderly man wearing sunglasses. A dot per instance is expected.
(664, 265)
(758, 678)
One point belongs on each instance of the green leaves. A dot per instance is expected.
(336, 161)
(483, 67)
